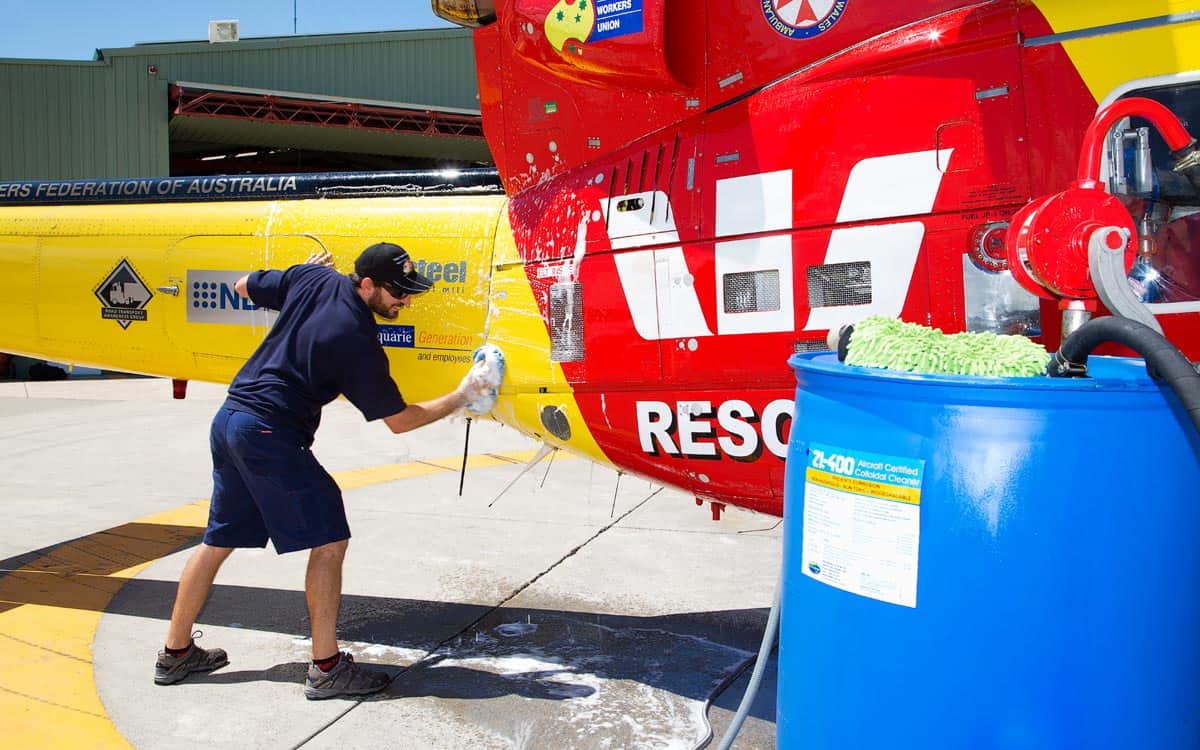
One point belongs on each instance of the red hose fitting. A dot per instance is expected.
(1092, 150)
(1048, 238)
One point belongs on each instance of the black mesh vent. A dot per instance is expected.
(811, 345)
(751, 291)
(566, 321)
(839, 284)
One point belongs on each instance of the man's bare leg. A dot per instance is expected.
(323, 591)
(194, 585)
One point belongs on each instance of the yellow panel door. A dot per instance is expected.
(203, 314)
(97, 303)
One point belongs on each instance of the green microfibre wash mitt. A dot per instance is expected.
(895, 345)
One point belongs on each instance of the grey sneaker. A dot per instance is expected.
(169, 670)
(346, 678)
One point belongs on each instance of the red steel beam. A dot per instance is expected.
(280, 109)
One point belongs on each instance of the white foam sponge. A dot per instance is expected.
(484, 378)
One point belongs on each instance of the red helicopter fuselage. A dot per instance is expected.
(698, 192)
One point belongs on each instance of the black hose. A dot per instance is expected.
(839, 341)
(1164, 362)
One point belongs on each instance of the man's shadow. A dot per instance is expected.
(468, 651)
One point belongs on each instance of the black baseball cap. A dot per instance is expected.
(389, 266)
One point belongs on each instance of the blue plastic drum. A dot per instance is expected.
(989, 563)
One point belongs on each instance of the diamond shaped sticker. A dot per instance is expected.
(123, 296)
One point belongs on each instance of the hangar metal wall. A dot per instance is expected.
(109, 117)
(80, 119)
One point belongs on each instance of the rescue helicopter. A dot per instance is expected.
(692, 193)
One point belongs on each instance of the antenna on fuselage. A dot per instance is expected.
(544, 451)
(613, 511)
(548, 465)
(462, 474)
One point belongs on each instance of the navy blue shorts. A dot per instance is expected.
(268, 484)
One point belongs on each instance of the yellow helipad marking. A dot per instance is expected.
(51, 607)
(349, 480)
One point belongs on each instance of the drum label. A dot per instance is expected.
(862, 522)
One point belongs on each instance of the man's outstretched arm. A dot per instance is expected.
(473, 387)
(422, 413)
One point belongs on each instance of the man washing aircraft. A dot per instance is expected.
(266, 482)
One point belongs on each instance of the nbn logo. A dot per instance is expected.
(212, 298)
(218, 295)
(403, 336)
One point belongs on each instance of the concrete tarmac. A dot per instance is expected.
(562, 606)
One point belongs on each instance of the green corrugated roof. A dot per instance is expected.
(288, 40)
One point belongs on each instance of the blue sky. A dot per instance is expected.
(74, 29)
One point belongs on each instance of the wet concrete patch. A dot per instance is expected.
(600, 681)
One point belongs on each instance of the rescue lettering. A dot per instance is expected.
(695, 429)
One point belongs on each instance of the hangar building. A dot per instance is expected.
(329, 102)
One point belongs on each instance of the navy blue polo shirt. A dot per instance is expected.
(324, 343)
